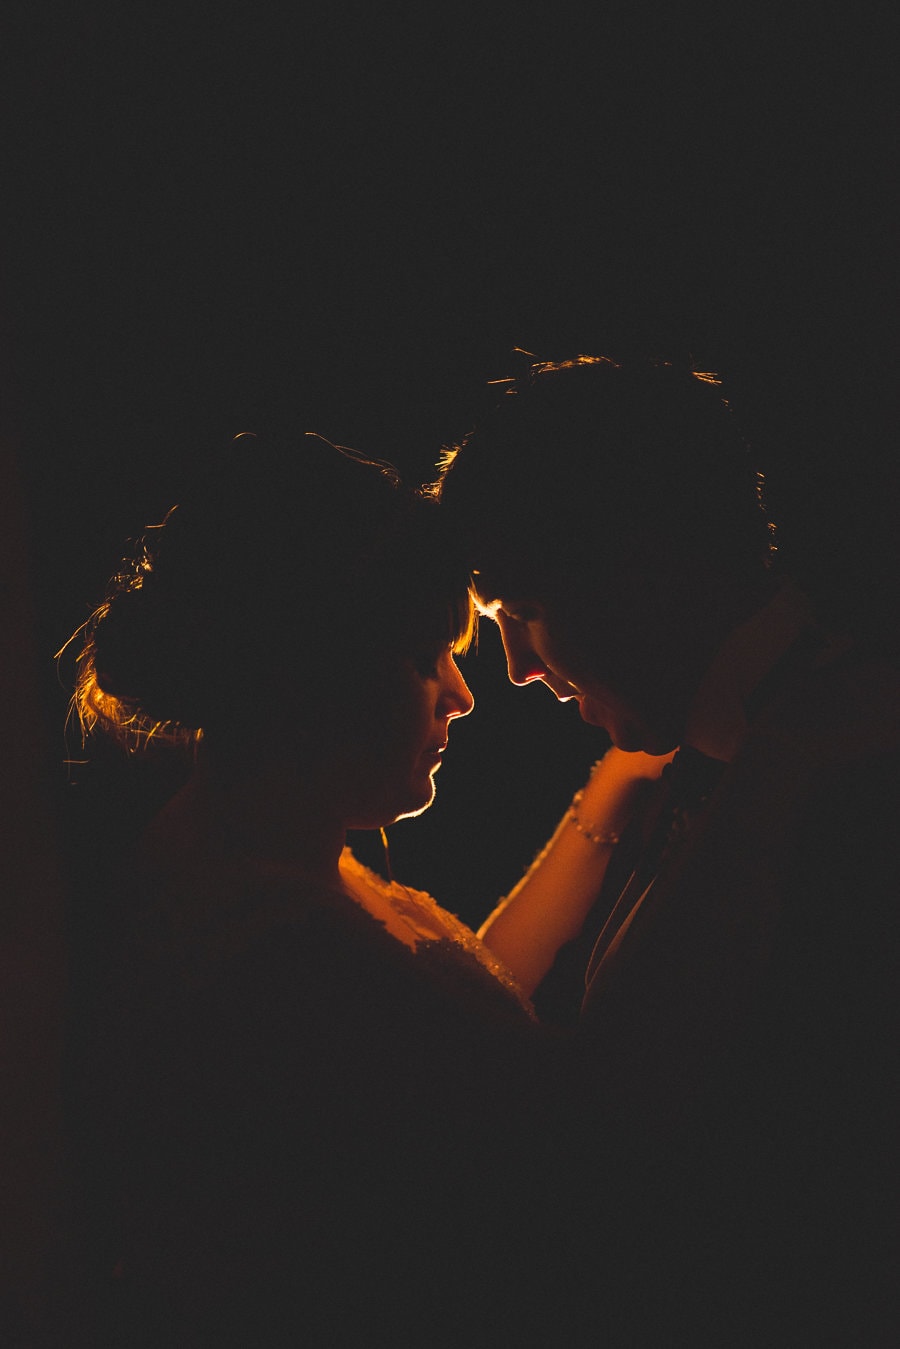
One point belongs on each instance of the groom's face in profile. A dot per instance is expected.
(616, 528)
(596, 651)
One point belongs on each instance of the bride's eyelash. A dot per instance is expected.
(427, 662)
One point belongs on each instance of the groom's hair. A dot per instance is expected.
(596, 463)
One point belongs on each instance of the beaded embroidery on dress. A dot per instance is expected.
(433, 925)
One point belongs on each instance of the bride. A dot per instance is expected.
(325, 1109)
(315, 1086)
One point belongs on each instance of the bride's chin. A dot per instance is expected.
(413, 803)
(418, 801)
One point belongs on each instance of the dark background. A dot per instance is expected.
(345, 219)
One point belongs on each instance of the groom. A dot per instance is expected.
(735, 1019)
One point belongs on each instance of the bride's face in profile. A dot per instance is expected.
(401, 733)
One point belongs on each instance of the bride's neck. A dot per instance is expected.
(271, 815)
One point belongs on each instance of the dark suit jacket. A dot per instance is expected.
(739, 1025)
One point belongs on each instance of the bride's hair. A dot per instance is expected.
(288, 576)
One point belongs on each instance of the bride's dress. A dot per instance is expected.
(320, 1103)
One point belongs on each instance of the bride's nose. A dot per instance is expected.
(456, 694)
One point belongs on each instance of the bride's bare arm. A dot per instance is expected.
(550, 903)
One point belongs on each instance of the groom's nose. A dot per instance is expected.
(522, 661)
